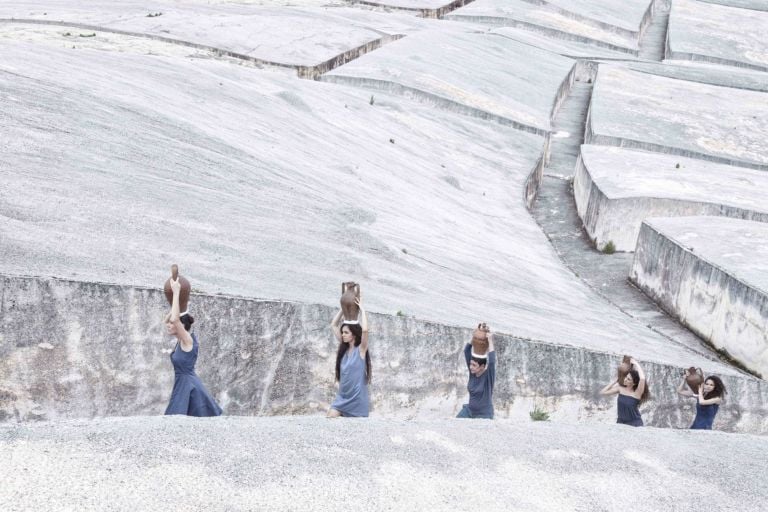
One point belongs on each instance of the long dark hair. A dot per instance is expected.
(187, 320)
(357, 332)
(719, 388)
(636, 382)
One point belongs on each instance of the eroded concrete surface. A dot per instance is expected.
(719, 34)
(711, 273)
(616, 189)
(654, 113)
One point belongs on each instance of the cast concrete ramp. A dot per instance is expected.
(654, 113)
(710, 273)
(616, 189)
(239, 464)
(719, 34)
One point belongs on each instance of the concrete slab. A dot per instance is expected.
(758, 5)
(548, 19)
(701, 72)
(711, 273)
(478, 73)
(292, 36)
(239, 464)
(264, 185)
(659, 114)
(616, 189)
(572, 49)
(719, 34)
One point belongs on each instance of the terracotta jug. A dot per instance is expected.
(480, 339)
(624, 368)
(349, 292)
(186, 288)
(694, 379)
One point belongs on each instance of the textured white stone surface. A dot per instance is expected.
(314, 464)
(616, 189)
(642, 111)
(488, 73)
(288, 35)
(712, 273)
(265, 185)
(550, 20)
(718, 33)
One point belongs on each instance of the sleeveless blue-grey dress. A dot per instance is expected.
(705, 416)
(189, 396)
(629, 411)
(352, 398)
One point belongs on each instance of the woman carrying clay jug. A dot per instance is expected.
(189, 395)
(353, 365)
(632, 391)
(709, 396)
(480, 356)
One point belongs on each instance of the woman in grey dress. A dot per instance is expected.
(353, 366)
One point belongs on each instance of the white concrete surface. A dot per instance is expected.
(719, 34)
(642, 111)
(616, 189)
(489, 74)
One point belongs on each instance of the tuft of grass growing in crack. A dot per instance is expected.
(92, 34)
(609, 248)
(154, 14)
(370, 102)
(400, 312)
(538, 414)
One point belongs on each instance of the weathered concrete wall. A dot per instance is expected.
(73, 349)
(719, 304)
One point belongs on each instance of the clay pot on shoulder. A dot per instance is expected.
(349, 292)
(623, 369)
(694, 379)
(480, 339)
(186, 288)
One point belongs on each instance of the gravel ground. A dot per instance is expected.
(311, 463)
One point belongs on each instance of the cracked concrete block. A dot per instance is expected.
(616, 189)
(641, 111)
(711, 274)
(718, 34)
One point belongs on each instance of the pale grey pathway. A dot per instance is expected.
(555, 211)
(306, 463)
(653, 41)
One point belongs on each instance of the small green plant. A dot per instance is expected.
(677, 166)
(370, 102)
(400, 312)
(154, 14)
(539, 414)
(92, 34)
(609, 248)
(67, 34)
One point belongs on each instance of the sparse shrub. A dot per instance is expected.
(154, 14)
(92, 34)
(609, 248)
(370, 102)
(67, 34)
(539, 414)
(677, 166)
(400, 312)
